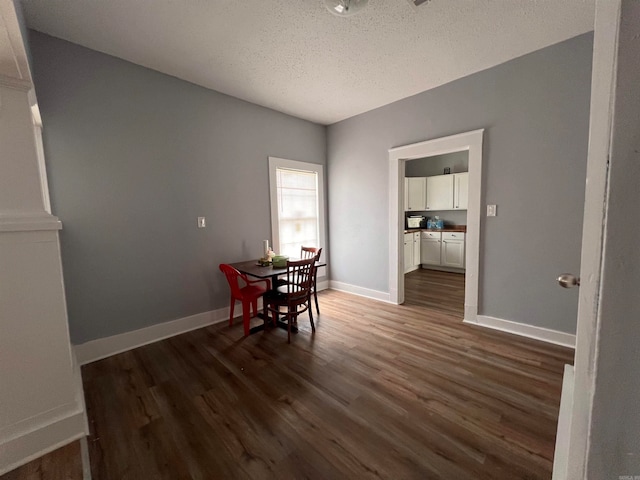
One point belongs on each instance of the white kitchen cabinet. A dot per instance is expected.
(442, 249)
(415, 190)
(411, 251)
(440, 192)
(416, 249)
(452, 251)
(430, 248)
(408, 252)
(460, 191)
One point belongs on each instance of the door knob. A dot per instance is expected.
(568, 280)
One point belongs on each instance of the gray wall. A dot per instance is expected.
(535, 112)
(430, 166)
(134, 156)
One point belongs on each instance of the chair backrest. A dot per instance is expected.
(299, 277)
(308, 252)
(232, 277)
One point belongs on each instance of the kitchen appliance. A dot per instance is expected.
(415, 221)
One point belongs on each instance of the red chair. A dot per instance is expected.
(248, 294)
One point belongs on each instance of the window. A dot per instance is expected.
(297, 206)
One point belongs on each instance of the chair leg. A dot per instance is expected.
(313, 325)
(315, 296)
(231, 307)
(246, 317)
(254, 305)
(289, 321)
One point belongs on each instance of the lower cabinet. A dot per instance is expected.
(442, 249)
(452, 254)
(411, 251)
(430, 248)
(416, 249)
(408, 252)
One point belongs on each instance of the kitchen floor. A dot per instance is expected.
(435, 290)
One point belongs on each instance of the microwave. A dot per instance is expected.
(415, 222)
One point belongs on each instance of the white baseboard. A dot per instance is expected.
(524, 330)
(360, 291)
(46, 438)
(100, 348)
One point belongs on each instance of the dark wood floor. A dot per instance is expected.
(380, 391)
(62, 464)
(435, 290)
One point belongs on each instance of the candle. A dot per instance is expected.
(265, 248)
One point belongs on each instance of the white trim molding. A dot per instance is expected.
(468, 141)
(530, 331)
(15, 83)
(45, 438)
(561, 452)
(27, 222)
(100, 348)
(360, 291)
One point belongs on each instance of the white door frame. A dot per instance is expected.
(471, 142)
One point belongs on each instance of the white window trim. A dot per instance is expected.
(275, 163)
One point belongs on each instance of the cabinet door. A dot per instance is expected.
(440, 192)
(453, 253)
(408, 252)
(430, 251)
(416, 249)
(416, 193)
(461, 191)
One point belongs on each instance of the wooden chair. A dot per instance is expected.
(248, 294)
(294, 295)
(308, 252)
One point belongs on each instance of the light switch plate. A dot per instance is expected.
(201, 222)
(492, 210)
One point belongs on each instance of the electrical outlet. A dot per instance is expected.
(201, 222)
(492, 210)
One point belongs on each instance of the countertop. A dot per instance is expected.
(453, 228)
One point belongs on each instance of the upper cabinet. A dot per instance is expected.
(440, 192)
(460, 191)
(415, 193)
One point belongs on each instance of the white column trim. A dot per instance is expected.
(26, 222)
(15, 83)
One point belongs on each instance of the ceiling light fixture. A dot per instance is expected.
(345, 8)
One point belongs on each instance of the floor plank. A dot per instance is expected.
(64, 463)
(380, 391)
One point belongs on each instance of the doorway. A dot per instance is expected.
(434, 259)
(470, 142)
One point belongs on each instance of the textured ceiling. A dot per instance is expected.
(296, 57)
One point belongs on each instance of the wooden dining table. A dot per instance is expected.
(251, 267)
